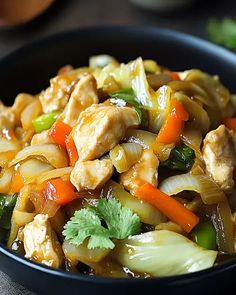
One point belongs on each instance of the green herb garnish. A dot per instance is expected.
(181, 158)
(100, 223)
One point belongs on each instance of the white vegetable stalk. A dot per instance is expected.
(163, 253)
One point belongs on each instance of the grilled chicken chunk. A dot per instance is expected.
(40, 242)
(83, 96)
(91, 175)
(100, 128)
(219, 154)
(145, 169)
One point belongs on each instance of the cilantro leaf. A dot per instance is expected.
(121, 221)
(87, 223)
(223, 32)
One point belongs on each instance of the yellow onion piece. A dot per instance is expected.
(81, 253)
(151, 66)
(160, 111)
(6, 157)
(22, 218)
(217, 93)
(193, 139)
(55, 173)
(43, 204)
(198, 116)
(145, 138)
(32, 111)
(7, 145)
(124, 155)
(163, 253)
(192, 89)
(58, 221)
(223, 223)
(21, 101)
(32, 168)
(23, 204)
(147, 213)
(52, 153)
(5, 180)
(202, 184)
(163, 151)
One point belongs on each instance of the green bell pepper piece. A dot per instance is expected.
(204, 235)
(45, 121)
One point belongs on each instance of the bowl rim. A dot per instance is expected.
(195, 42)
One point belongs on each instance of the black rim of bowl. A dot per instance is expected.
(178, 36)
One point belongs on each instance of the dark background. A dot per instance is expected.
(68, 14)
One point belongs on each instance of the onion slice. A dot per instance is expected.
(55, 155)
(202, 184)
(55, 173)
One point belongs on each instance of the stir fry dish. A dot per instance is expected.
(121, 170)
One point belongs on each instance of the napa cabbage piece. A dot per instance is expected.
(130, 75)
(163, 253)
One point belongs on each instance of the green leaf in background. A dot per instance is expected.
(223, 32)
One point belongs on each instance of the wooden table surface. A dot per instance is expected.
(70, 14)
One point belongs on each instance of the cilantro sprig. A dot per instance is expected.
(101, 223)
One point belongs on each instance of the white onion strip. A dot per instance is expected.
(202, 184)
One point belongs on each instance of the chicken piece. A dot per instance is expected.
(56, 96)
(7, 117)
(41, 243)
(91, 175)
(83, 96)
(219, 154)
(145, 169)
(41, 138)
(100, 128)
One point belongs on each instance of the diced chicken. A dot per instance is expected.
(145, 169)
(7, 117)
(219, 154)
(56, 96)
(83, 96)
(100, 128)
(91, 175)
(41, 138)
(40, 242)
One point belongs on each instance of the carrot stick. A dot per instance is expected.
(59, 132)
(61, 191)
(230, 123)
(72, 151)
(174, 210)
(174, 124)
(16, 182)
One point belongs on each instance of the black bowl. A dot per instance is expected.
(29, 69)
